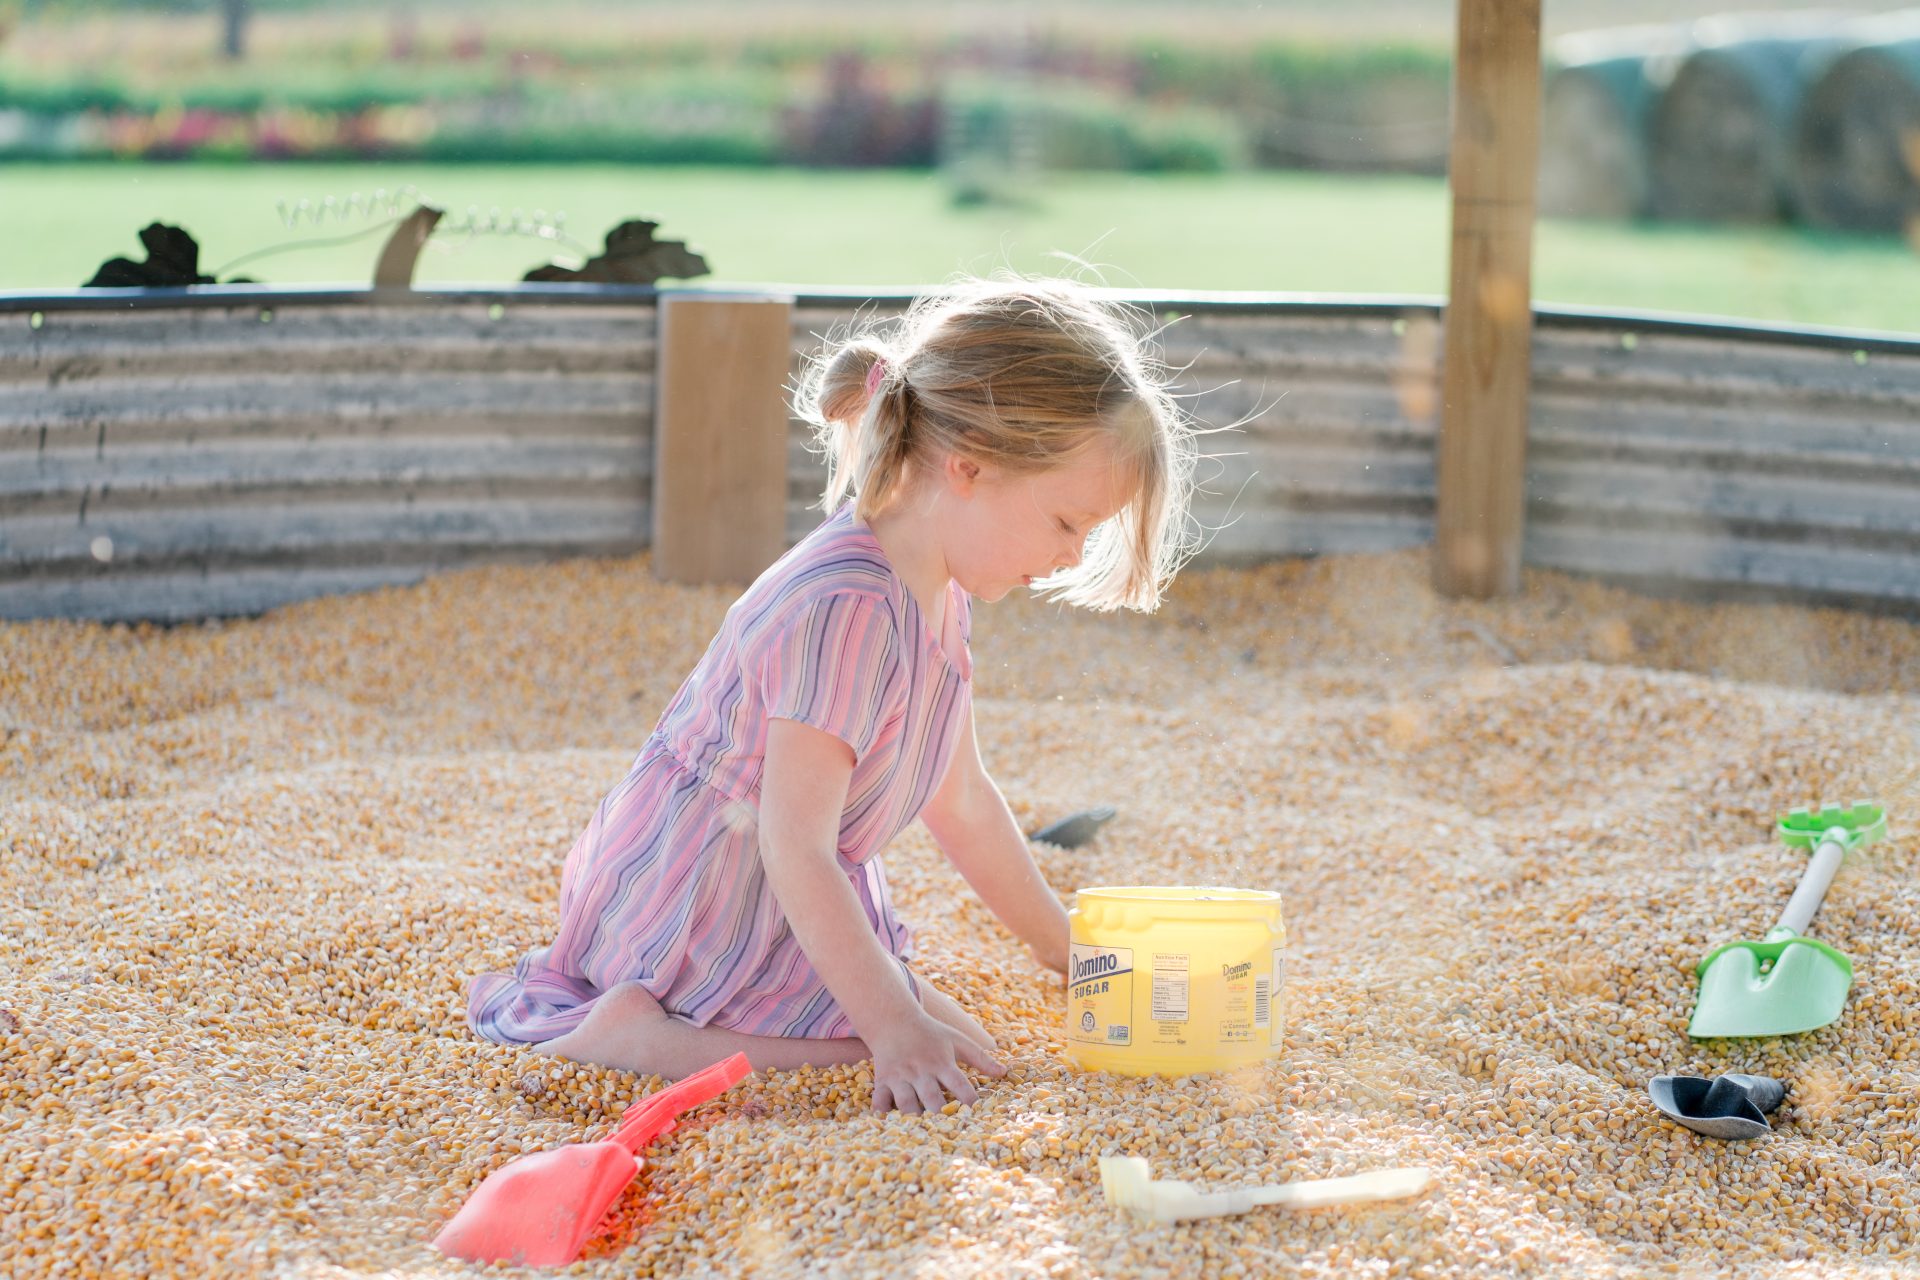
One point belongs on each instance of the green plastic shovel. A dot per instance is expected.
(1787, 983)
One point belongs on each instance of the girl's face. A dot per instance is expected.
(1004, 531)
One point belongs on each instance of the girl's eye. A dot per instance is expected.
(1067, 529)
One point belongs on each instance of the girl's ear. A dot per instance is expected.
(961, 474)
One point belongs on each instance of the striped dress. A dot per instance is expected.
(665, 886)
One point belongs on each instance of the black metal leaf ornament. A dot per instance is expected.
(633, 256)
(173, 258)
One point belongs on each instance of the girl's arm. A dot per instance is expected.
(971, 823)
(802, 791)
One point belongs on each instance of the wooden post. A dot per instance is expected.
(720, 436)
(1480, 459)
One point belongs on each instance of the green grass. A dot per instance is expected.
(1290, 232)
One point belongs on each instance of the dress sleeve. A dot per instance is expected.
(834, 666)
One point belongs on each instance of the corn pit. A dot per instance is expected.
(249, 866)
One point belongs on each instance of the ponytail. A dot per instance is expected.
(861, 406)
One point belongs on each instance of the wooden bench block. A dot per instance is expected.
(720, 431)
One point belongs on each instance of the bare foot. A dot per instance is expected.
(628, 1030)
(622, 1030)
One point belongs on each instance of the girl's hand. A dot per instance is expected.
(917, 1063)
(943, 1008)
(1054, 958)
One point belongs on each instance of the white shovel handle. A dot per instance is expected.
(1361, 1188)
(1821, 869)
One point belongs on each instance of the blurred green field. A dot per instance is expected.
(176, 30)
(1267, 231)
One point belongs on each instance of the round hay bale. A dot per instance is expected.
(1856, 140)
(1720, 134)
(1593, 126)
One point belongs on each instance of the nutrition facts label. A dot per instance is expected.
(1170, 987)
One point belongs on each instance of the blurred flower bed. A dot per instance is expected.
(1145, 102)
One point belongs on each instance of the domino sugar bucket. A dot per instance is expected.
(1175, 980)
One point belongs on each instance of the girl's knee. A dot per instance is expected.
(627, 1002)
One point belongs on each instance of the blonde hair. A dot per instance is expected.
(1023, 375)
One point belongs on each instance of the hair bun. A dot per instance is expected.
(846, 385)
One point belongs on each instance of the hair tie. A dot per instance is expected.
(875, 374)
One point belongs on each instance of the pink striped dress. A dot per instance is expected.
(665, 886)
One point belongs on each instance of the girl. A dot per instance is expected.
(728, 894)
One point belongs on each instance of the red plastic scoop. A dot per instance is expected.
(539, 1209)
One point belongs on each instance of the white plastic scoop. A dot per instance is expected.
(1127, 1183)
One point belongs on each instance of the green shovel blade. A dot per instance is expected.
(1770, 988)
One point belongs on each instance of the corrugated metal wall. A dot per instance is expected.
(1726, 462)
(237, 456)
(175, 462)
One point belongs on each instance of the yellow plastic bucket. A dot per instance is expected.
(1174, 980)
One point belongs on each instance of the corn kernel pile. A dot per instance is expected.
(247, 867)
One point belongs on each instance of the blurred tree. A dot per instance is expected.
(235, 14)
(403, 33)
